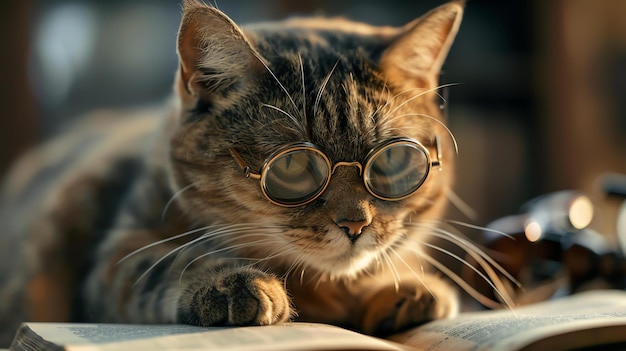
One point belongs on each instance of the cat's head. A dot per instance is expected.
(341, 87)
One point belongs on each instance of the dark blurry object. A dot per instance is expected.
(550, 251)
(18, 124)
(559, 212)
(614, 184)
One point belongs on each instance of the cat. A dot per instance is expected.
(296, 173)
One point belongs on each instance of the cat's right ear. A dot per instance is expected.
(214, 54)
(415, 59)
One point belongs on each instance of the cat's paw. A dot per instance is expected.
(235, 297)
(390, 310)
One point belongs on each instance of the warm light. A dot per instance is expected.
(533, 231)
(580, 212)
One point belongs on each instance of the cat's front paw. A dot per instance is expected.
(235, 297)
(390, 310)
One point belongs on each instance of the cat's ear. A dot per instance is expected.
(416, 56)
(213, 52)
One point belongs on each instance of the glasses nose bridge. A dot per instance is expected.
(348, 164)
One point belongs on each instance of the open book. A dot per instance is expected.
(576, 322)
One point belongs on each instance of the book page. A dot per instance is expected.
(290, 336)
(81, 333)
(520, 327)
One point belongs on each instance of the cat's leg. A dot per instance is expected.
(389, 308)
(208, 292)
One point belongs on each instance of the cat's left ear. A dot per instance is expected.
(214, 54)
(416, 56)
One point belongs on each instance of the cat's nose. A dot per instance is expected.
(353, 228)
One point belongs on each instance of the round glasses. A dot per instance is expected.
(299, 173)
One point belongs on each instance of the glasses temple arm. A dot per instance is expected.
(246, 169)
(438, 162)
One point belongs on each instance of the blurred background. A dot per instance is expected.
(541, 104)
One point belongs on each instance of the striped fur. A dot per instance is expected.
(144, 216)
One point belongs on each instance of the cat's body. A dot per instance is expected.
(92, 223)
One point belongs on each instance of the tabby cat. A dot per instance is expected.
(295, 174)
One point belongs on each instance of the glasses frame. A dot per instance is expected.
(371, 156)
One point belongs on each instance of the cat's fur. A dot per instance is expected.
(92, 223)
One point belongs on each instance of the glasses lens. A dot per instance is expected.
(296, 176)
(397, 170)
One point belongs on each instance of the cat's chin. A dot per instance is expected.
(345, 266)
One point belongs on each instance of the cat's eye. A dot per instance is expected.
(295, 176)
(397, 169)
(299, 173)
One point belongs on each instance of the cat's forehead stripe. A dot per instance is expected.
(336, 25)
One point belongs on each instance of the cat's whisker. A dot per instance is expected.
(384, 121)
(436, 120)
(168, 254)
(275, 253)
(480, 257)
(171, 200)
(471, 249)
(477, 227)
(171, 238)
(500, 291)
(391, 99)
(426, 91)
(461, 205)
(462, 283)
(320, 278)
(394, 270)
(225, 231)
(235, 234)
(298, 261)
(259, 263)
(318, 98)
(291, 117)
(252, 243)
(375, 267)
(262, 61)
(303, 87)
(157, 262)
(302, 271)
(210, 228)
(387, 102)
(408, 219)
(266, 261)
(417, 276)
(283, 127)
